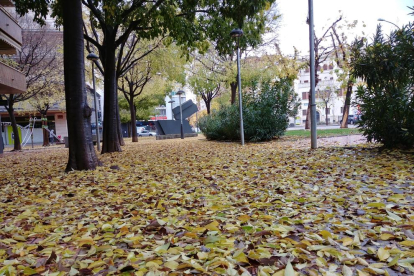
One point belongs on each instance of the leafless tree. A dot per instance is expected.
(40, 60)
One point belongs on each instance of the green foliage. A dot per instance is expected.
(386, 100)
(265, 115)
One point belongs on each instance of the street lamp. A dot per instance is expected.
(171, 103)
(383, 20)
(93, 57)
(237, 33)
(179, 93)
(314, 138)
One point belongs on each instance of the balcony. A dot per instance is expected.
(12, 81)
(10, 33)
(6, 3)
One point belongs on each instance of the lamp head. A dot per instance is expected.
(380, 19)
(92, 56)
(180, 92)
(236, 33)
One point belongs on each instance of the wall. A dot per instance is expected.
(61, 125)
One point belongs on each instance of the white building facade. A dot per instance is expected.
(329, 95)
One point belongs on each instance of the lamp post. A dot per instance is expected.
(314, 142)
(179, 93)
(383, 20)
(93, 57)
(171, 103)
(237, 33)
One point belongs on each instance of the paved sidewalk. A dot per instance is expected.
(321, 127)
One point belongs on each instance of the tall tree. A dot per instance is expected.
(322, 53)
(188, 23)
(326, 94)
(162, 64)
(40, 61)
(82, 155)
(342, 58)
(205, 80)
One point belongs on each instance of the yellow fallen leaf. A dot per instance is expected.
(325, 234)
(244, 218)
(347, 241)
(289, 271)
(383, 254)
(386, 236)
(171, 265)
(408, 243)
(212, 226)
(96, 264)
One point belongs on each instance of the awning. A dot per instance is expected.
(7, 45)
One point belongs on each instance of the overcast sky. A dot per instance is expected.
(295, 32)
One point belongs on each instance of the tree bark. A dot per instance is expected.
(208, 106)
(133, 120)
(17, 142)
(233, 86)
(326, 114)
(347, 105)
(308, 111)
(112, 134)
(82, 155)
(44, 130)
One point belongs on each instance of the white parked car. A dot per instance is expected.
(146, 133)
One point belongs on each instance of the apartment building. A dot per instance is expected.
(329, 96)
(12, 81)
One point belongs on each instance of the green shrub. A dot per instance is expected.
(387, 116)
(386, 99)
(265, 115)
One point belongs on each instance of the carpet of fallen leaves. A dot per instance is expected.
(194, 207)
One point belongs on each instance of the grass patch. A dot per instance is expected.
(323, 132)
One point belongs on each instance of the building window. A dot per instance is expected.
(304, 112)
(328, 111)
(331, 78)
(325, 67)
(305, 104)
(342, 110)
(307, 70)
(305, 95)
(305, 81)
(331, 66)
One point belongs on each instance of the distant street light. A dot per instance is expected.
(179, 93)
(93, 57)
(237, 33)
(171, 102)
(383, 20)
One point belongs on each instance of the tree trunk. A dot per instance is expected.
(347, 105)
(17, 142)
(233, 86)
(326, 115)
(308, 111)
(133, 120)
(44, 130)
(82, 155)
(112, 134)
(208, 106)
